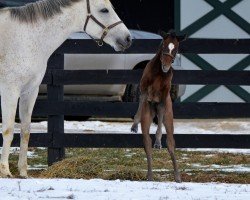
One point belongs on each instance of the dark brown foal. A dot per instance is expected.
(155, 100)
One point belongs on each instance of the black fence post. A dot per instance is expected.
(55, 122)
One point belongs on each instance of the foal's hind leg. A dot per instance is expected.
(26, 106)
(158, 135)
(9, 101)
(137, 117)
(168, 123)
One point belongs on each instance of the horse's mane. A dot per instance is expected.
(46, 9)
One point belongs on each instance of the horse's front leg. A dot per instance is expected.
(137, 117)
(146, 120)
(168, 123)
(9, 101)
(26, 106)
(158, 135)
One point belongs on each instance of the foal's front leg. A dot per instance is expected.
(168, 123)
(26, 106)
(146, 120)
(137, 117)
(9, 100)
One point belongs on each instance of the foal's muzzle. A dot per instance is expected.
(165, 68)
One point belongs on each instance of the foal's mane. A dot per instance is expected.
(45, 9)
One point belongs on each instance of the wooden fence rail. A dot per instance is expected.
(56, 108)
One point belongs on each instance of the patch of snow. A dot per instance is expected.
(222, 168)
(217, 150)
(195, 126)
(37, 167)
(20, 189)
(16, 150)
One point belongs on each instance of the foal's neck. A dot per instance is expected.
(156, 62)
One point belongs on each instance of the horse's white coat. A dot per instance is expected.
(24, 51)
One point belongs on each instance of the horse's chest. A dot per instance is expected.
(157, 90)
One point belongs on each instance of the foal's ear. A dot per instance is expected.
(181, 38)
(163, 34)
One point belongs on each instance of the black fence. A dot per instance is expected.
(56, 108)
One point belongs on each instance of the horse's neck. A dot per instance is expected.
(53, 32)
(156, 62)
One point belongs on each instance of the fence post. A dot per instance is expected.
(55, 122)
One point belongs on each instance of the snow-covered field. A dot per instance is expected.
(100, 189)
(195, 126)
(97, 189)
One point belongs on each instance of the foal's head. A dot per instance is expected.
(169, 48)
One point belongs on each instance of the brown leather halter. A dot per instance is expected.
(106, 29)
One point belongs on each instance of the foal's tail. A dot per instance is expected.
(155, 120)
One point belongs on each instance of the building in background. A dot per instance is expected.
(227, 19)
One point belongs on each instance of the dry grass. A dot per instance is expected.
(130, 164)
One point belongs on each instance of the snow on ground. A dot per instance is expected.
(195, 126)
(225, 126)
(97, 189)
(11, 189)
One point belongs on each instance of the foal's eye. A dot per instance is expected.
(104, 10)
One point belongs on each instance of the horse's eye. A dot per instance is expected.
(104, 10)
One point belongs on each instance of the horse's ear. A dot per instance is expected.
(181, 38)
(163, 34)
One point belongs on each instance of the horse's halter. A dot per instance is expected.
(165, 52)
(106, 29)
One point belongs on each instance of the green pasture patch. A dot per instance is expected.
(131, 164)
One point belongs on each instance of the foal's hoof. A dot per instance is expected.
(177, 179)
(134, 128)
(150, 178)
(157, 144)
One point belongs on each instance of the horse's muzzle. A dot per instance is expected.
(165, 68)
(124, 43)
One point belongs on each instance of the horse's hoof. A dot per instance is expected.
(8, 175)
(23, 176)
(4, 172)
(149, 176)
(134, 128)
(157, 146)
(177, 179)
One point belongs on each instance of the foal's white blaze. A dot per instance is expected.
(171, 47)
